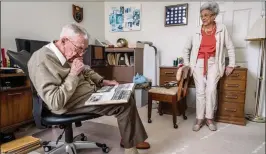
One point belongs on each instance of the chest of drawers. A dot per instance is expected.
(231, 97)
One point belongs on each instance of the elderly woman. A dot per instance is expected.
(204, 53)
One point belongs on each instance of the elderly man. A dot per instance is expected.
(65, 83)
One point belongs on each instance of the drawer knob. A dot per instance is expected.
(230, 110)
(169, 72)
(232, 85)
(12, 94)
(231, 97)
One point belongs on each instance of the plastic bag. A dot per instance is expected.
(139, 79)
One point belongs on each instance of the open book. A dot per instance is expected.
(111, 95)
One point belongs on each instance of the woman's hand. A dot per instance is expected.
(110, 82)
(229, 70)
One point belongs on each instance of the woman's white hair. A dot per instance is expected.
(212, 6)
(71, 30)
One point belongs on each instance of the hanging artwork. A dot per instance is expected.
(176, 15)
(125, 18)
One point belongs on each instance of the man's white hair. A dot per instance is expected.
(212, 6)
(71, 30)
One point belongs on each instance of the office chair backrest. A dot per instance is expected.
(21, 59)
(29, 45)
(22, 44)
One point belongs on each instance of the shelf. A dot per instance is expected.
(11, 75)
(119, 49)
(15, 88)
(119, 66)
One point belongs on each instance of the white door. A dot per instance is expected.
(239, 18)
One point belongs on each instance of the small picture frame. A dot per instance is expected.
(176, 15)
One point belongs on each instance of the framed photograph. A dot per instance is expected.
(176, 15)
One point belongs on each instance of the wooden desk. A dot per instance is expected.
(16, 103)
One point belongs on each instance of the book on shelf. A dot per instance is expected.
(117, 94)
(121, 59)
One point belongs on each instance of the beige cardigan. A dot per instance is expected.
(223, 38)
(60, 91)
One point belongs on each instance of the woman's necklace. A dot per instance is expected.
(206, 31)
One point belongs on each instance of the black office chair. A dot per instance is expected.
(44, 118)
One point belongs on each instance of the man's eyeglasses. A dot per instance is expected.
(78, 49)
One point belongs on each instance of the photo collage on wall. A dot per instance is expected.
(125, 18)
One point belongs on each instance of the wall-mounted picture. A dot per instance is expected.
(125, 18)
(176, 15)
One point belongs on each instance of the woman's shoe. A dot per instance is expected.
(198, 124)
(211, 125)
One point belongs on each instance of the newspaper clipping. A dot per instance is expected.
(111, 95)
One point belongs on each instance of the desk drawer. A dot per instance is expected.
(237, 75)
(235, 85)
(169, 72)
(231, 109)
(232, 96)
(15, 107)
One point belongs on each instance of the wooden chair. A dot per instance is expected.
(171, 95)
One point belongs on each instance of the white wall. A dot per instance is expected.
(170, 40)
(44, 20)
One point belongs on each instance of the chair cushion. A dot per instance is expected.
(162, 90)
(54, 119)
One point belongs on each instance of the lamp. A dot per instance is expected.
(257, 33)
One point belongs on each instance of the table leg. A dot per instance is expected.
(149, 107)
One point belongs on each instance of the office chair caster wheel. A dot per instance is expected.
(149, 121)
(83, 137)
(47, 148)
(175, 126)
(105, 149)
(185, 117)
(160, 113)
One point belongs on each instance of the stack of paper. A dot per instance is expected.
(22, 145)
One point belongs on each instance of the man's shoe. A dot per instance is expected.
(142, 145)
(131, 151)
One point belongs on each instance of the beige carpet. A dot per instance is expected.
(164, 139)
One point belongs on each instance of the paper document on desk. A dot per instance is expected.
(111, 95)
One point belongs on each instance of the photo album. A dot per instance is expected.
(111, 95)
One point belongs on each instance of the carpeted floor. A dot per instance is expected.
(164, 139)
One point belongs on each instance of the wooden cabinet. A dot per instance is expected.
(16, 104)
(231, 96)
(168, 74)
